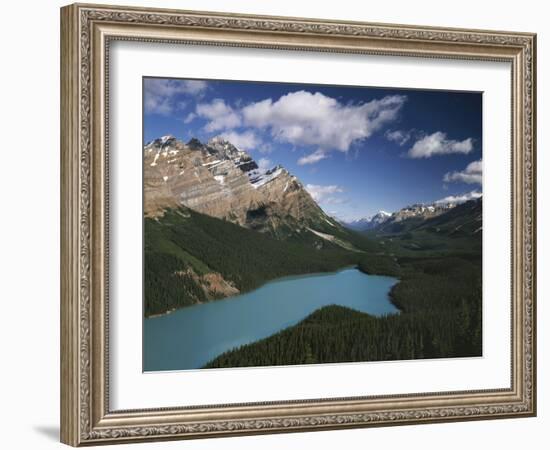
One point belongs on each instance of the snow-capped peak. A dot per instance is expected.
(160, 143)
(165, 139)
(367, 223)
(222, 145)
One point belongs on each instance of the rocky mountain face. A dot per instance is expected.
(222, 181)
(421, 211)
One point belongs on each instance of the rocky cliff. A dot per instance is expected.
(225, 182)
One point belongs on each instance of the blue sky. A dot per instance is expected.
(357, 150)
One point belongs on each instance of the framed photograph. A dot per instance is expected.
(279, 224)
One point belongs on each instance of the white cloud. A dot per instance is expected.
(335, 200)
(264, 164)
(459, 198)
(195, 86)
(159, 94)
(312, 158)
(265, 147)
(401, 137)
(190, 117)
(321, 193)
(154, 104)
(221, 116)
(248, 140)
(472, 174)
(438, 144)
(303, 118)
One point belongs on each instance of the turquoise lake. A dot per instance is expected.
(190, 337)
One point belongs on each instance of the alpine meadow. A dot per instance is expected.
(291, 224)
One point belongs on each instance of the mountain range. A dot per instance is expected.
(401, 219)
(216, 224)
(368, 223)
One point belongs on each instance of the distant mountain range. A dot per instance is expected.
(398, 220)
(462, 220)
(368, 223)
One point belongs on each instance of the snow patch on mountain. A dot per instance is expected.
(327, 237)
(154, 163)
(268, 176)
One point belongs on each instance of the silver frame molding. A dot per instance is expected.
(86, 32)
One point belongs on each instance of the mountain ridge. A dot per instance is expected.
(416, 212)
(367, 223)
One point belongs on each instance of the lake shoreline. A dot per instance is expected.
(285, 277)
(391, 295)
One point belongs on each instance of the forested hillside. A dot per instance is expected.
(439, 295)
(191, 258)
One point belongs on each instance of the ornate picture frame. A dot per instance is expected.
(87, 31)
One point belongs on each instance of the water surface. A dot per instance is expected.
(190, 337)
